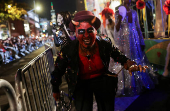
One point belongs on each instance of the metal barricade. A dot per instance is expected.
(52, 45)
(7, 87)
(32, 84)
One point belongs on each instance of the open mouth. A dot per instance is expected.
(86, 41)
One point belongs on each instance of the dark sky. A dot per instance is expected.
(58, 5)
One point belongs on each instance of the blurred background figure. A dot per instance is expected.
(107, 26)
(61, 31)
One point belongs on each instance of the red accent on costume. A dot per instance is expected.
(95, 64)
(104, 11)
(158, 54)
(4, 50)
(140, 4)
(107, 4)
(166, 7)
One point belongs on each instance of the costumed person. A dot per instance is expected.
(86, 60)
(61, 32)
(129, 39)
(108, 24)
(167, 62)
(107, 30)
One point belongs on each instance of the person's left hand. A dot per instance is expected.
(140, 68)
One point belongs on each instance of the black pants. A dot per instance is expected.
(102, 87)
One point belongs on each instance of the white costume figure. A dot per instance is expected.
(59, 19)
(62, 37)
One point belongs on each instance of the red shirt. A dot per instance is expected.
(90, 68)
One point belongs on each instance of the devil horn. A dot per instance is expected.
(94, 19)
(74, 22)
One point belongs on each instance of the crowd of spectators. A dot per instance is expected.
(16, 47)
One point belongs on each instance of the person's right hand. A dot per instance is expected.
(119, 17)
(56, 96)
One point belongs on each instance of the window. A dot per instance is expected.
(12, 26)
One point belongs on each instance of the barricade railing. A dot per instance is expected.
(32, 83)
(8, 89)
(52, 45)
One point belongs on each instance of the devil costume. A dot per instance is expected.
(69, 59)
(86, 60)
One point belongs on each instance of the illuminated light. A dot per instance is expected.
(26, 27)
(38, 8)
(9, 6)
(37, 25)
(114, 4)
(51, 23)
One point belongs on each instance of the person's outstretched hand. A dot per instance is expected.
(56, 96)
(137, 68)
(128, 64)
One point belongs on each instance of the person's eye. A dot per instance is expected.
(81, 31)
(90, 30)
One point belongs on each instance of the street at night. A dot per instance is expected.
(84, 55)
(154, 100)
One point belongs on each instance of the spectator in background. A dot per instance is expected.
(62, 29)
(107, 27)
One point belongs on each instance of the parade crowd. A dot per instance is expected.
(16, 47)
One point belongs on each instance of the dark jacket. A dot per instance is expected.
(69, 59)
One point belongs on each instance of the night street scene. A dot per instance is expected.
(84, 55)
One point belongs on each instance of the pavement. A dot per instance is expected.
(157, 99)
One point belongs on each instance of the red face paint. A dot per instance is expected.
(86, 34)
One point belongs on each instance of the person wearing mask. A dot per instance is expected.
(86, 61)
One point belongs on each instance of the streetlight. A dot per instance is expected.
(38, 8)
(9, 6)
